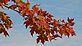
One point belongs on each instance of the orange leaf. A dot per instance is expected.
(35, 8)
(23, 12)
(27, 5)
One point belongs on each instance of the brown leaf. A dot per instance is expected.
(6, 34)
(32, 32)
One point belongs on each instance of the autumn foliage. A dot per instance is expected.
(39, 21)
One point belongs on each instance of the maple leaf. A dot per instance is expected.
(27, 5)
(72, 31)
(35, 8)
(30, 13)
(24, 8)
(42, 13)
(43, 38)
(70, 19)
(27, 23)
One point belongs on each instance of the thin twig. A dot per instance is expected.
(10, 8)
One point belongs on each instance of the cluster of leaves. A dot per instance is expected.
(41, 22)
(5, 23)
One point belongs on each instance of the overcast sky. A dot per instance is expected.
(61, 9)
